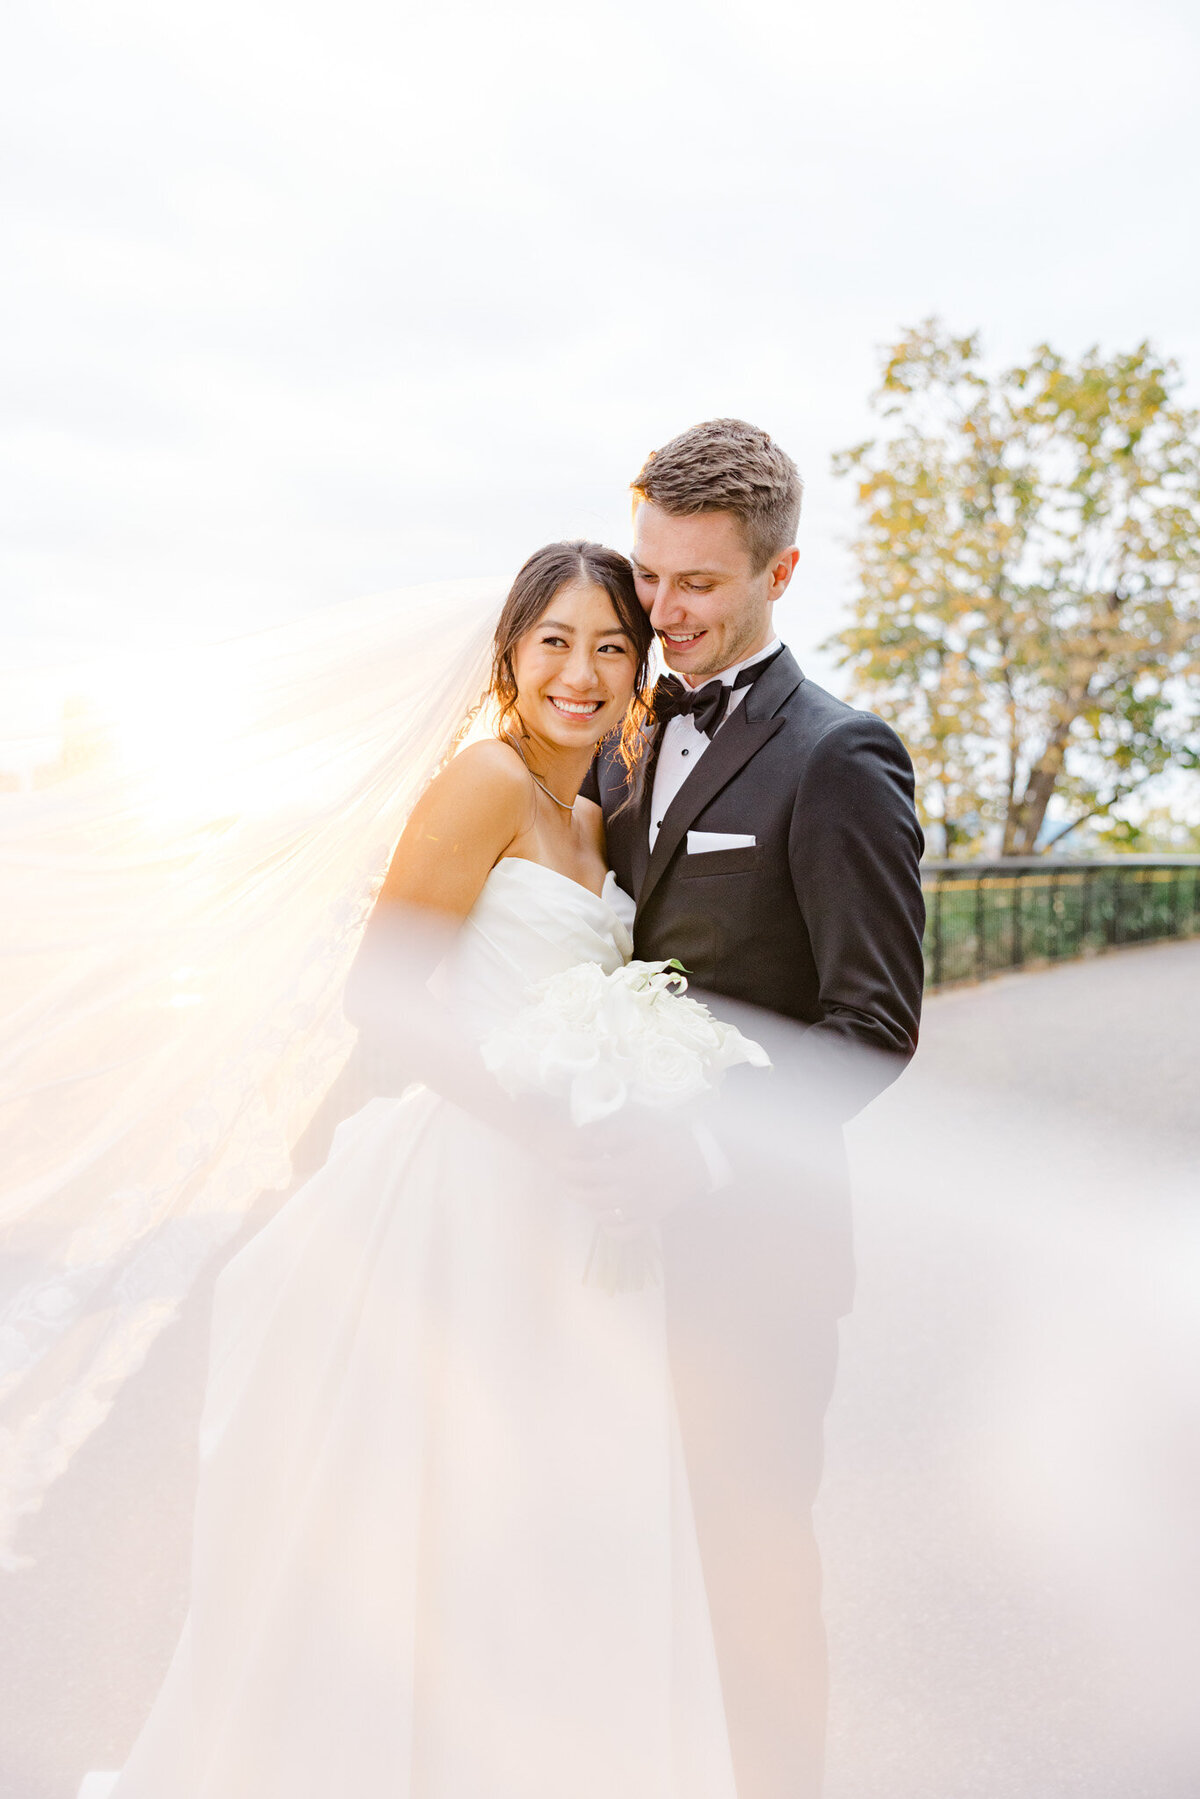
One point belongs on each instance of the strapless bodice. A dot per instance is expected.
(528, 922)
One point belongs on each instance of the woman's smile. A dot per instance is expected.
(581, 709)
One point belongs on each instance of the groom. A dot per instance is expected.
(770, 841)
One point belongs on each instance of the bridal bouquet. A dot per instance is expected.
(601, 1041)
(605, 1041)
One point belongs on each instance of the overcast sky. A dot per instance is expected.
(306, 301)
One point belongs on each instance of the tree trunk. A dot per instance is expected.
(1023, 825)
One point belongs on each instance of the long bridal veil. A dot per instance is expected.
(189, 846)
(188, 851)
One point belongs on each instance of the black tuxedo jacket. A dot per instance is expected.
(822, 919)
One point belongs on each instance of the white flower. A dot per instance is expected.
(690, 1023)
(627, 1016)
(599, 1039)
(576, 994)
(566, 1054)
(597, 1093)
(735, 1048)
(653, 976)
(668, 1073)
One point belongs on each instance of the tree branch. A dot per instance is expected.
(1100, 808)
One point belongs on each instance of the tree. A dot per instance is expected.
(1028, 605)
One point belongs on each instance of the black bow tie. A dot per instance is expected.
(707, 705)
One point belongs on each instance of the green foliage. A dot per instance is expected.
(1028, 606)
(1156, 833)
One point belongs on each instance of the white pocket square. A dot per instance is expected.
(701, 843)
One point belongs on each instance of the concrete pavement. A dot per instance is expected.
(1008, 1519)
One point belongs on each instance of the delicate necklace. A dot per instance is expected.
(567, 805)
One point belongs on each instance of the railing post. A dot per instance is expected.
(938, 963)
(980, 943)
(1017, 940)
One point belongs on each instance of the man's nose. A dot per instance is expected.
(665, 608)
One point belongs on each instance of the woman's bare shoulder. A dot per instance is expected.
(484, 776)
(491, 759)
(463, 822)
(483, 794)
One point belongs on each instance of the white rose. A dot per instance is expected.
(575, 994)
(668, 1073)
(688, 1022)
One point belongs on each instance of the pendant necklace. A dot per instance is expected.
(567, 805)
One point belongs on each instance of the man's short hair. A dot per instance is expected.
(727, 465)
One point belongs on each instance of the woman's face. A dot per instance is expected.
(575, 669)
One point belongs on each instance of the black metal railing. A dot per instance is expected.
(985, 917)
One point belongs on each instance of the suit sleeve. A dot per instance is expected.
(855, 849)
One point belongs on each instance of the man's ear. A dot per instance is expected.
(781, 571)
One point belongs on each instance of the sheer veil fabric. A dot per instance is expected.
(186, 865)
(188, 855)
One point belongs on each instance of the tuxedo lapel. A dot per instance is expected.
(773, 689)
(743, 734)
(731, 749)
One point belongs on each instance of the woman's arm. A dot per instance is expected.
(458, 830)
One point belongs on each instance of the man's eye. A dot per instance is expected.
(698, 586)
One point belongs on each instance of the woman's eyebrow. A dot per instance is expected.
(554, 624)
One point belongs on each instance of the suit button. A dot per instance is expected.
(687, 752)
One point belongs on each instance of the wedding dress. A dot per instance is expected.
(444, 1547)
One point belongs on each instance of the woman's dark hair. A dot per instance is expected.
(539, 579)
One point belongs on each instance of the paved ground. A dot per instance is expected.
(1010, 1492)
(1009, 1514)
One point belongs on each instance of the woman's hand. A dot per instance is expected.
(634, 1168)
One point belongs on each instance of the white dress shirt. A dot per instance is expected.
(683, 745)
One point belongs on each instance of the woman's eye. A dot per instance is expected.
(618, 649)
(555, 643)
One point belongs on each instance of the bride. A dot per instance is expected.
(443, 1541)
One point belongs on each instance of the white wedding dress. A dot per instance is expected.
(444, 1546)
